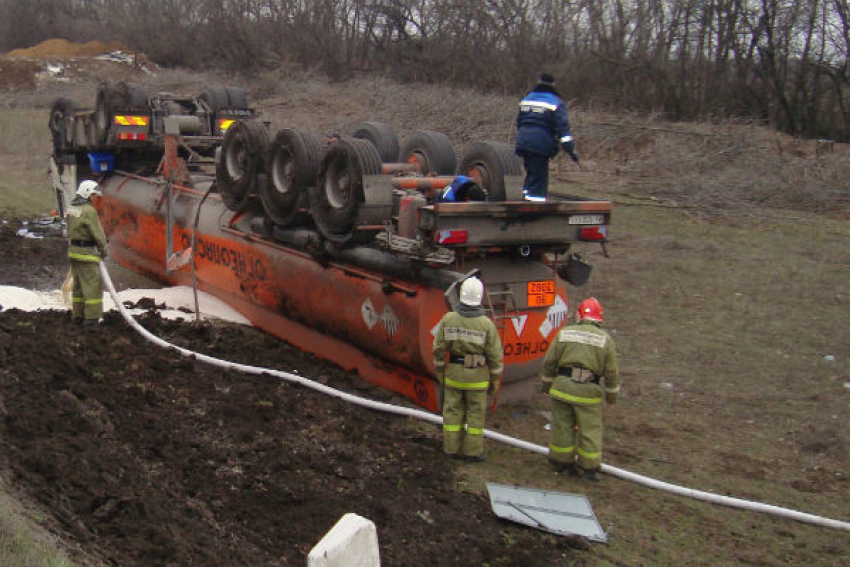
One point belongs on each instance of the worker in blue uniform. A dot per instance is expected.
(542, 128)
(462, 189)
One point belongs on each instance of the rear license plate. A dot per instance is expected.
(541, 293)
(587, 219)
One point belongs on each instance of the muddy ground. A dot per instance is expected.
(142, 457)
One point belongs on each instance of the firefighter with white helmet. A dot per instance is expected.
(87, 247)
(579, 371)
(468, 362)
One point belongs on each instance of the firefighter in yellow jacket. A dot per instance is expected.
(579, 370)
(468, 361)
(86, 249)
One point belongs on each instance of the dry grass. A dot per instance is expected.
(23, 543)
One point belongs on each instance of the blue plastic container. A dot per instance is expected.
(101, 162)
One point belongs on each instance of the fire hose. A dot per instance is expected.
(438, 420)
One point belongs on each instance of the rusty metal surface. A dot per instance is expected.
(366, 311)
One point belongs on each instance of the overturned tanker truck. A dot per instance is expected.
(339, 246)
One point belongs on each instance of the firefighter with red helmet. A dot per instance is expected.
(468, 362)
(579, 371)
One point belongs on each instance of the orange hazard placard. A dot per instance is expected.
(541, 293)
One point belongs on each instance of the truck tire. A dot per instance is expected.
(62, 123)
(92, 134)
(293, 165)
(431, 151)
(236, 97)
(382, 136)
(339, 193)
(487, 163)
(82, 137)
(110, 97)
(243, 155)
(106, 98)
(133, 95)
(215, 96)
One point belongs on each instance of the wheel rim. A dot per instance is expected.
(283, 172)
(236, 160)
(337, 181)
(478, 173)
(102, 117)
(419, 160)
(56, 120)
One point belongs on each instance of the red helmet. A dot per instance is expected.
(590, 309)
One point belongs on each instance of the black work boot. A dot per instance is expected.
(569, 470)
(559, 466)
(587, 474)
(475, 458)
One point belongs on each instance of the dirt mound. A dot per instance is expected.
(18, 75)
(64, 48)
(36, 263)
(148, 458)
(143, 457)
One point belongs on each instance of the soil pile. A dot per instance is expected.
(65, 48)
(39, 264)
(18, 75)
(144, 457)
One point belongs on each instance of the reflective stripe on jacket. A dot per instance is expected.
(84, 225)
(459, 336)
(586, 346)
(542, 124)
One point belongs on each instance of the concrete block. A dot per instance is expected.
(352, 542)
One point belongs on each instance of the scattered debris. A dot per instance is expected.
(559, 513)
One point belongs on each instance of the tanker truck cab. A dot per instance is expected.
(339, 246)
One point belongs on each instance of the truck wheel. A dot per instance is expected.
(92, 134)
(293, 164)
(243, 154)
(382, 136)
(487, 163)
(61, 124)
(82, 140)
(215, 96)
(339, 194)
(431, 151)
(106, 98)
(109, 97)
(133, 94)
(236, 97)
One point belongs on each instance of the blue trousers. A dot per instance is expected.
(536, 174)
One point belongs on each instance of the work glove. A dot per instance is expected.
(570, 148)
(611, 398)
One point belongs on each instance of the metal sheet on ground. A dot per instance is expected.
(555, 512)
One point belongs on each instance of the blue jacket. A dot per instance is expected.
(542, 123)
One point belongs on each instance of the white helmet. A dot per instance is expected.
(87, 188)
(471, 291)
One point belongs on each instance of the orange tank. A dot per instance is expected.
(364, 309)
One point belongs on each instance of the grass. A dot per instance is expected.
(722, 327)
(23, 156)
(22, 542)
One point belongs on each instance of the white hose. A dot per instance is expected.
(430, 417)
